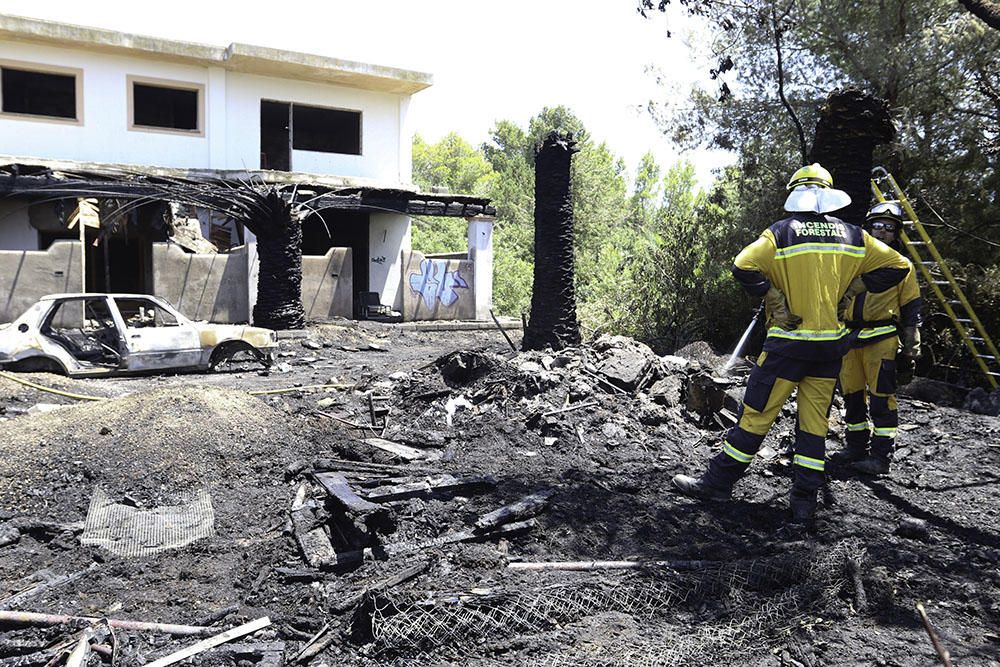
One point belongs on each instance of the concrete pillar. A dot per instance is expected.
(405, 141)
(481, 254)
(253, 268)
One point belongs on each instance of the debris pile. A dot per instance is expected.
(432, 502)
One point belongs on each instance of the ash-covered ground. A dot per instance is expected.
(368, 538)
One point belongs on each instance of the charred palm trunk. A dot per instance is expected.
(553, 301)
(279, 281)
(850, 126)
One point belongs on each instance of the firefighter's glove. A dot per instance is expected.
(856, 287)
(777, 311)
(910, 337)
(904, 369)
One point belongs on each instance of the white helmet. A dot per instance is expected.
(812, 191)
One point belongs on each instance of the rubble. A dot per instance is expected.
(558, 463)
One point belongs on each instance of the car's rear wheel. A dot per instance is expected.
(36, 365)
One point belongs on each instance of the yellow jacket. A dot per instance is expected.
(878, 315)
(813, 258)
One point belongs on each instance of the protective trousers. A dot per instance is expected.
(769, 386)
(871, 368)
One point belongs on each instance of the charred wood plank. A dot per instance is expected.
(402, 451)
(18, 598)
(210, 642)
(309, 532)
(528, 506)
(440, 484)
(337, 488)
(351, 601)
(406, 548)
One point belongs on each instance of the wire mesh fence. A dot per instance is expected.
(765, 596)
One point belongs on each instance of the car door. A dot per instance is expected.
(157, 338)
(84, 328)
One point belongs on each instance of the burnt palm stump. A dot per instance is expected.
(851, 124)
(279, 251)
(553, 321)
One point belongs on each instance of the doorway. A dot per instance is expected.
(342, 229)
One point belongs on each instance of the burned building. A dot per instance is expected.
(89, 108)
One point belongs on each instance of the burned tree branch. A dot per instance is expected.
(776, 25)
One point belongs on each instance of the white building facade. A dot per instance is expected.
(73, 95)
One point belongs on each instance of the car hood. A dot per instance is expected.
(213, 334)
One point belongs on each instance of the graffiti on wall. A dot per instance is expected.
(436, 284)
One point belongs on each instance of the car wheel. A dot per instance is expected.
(234, 355)
(37, 365)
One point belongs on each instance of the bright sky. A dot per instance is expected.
(490, 60)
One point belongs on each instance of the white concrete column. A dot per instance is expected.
(253, 269)
(405, 141)
(215, 118)
(481, 254)
(388, 234)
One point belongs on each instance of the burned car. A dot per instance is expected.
(106, 334)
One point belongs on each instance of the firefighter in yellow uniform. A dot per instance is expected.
(803, 266)
(882, 321)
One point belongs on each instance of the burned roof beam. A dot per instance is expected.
(330, 200)
(228, 193)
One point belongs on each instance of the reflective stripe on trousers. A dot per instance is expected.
(869, 372)
(770, 384)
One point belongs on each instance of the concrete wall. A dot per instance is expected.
(103, 134)
(231, 136)
(380, 125)
(389, 234)
(437, 289)
(203, 287)
(16, 232)
(327, 284)
(27, 275)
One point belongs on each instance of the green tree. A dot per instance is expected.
(599, 206)
(455, 166)
(935, 64)
(772, 64)
(511, 155)
(451, 164)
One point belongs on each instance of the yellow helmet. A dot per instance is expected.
(813, 174)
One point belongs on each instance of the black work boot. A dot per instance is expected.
(872, 465)
(802, 505)
(698, 488)
(847, 456)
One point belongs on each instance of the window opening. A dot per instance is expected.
(326, 130)
(164, 107)
(275, 135)
(143, 313)
(38, 93)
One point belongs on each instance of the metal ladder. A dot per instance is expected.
(940, 279)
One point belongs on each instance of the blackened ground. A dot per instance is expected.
(160, 438)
